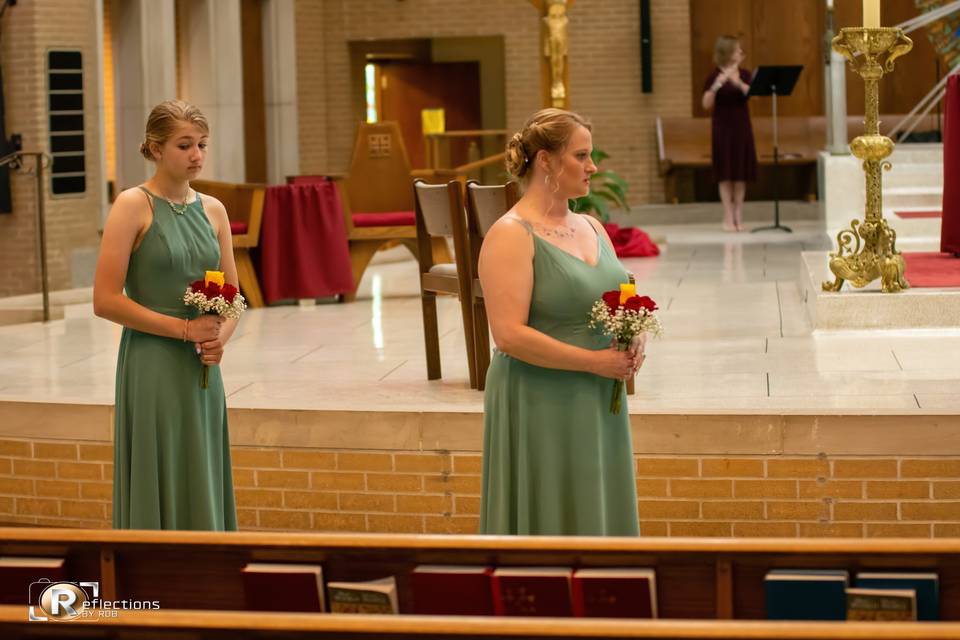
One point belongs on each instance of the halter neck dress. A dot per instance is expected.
(171, 447)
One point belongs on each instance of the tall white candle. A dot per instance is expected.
(871, 14)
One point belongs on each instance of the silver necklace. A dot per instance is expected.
(179, 209)
(562, 230)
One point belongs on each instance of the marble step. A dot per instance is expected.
(914, 175)
(29, 307)
(906, 198)
(914, 153)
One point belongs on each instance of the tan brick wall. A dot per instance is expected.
(30, 29)
(604, 70)
(64, 483)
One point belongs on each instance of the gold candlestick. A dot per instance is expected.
(868, 250)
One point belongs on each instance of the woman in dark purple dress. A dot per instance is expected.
(734, 155)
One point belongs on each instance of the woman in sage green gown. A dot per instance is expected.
(171, 446)
(556, 461)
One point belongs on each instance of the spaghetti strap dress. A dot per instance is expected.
(556, 461)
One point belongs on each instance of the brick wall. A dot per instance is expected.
(29, 30)
(604, 70)
(63, 483)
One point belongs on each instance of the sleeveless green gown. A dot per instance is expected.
(171, 448)
(555, 460)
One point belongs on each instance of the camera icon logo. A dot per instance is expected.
(60, 601)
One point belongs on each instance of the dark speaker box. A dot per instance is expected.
(646, 48)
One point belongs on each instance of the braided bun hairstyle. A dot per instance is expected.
(547, 130)
(163, 120)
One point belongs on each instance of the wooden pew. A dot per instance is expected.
(179, 624)
(697, 578)
(683, 146)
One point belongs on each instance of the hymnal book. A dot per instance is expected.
(271, 586)
(373, 596)
(926, 586)
(532, 591)
(615, 593)
(18, 573)
(881, 604)
(452, 590)
(806, 594)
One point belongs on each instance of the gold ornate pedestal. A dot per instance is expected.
(868, 250)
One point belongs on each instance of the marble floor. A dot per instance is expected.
(736, 340)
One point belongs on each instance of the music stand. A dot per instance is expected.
(775, 81)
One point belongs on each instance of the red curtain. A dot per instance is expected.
(303, 243)
(950, 226)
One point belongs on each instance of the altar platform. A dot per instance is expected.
(737, 337)
(740, 406)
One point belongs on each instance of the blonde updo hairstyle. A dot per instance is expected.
(163, 122)
(547, 130)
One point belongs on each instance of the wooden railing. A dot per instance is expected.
(437, 146)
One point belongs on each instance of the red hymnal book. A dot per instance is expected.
(18, 573)
(615, 593)
(532, 591)
(283, 587)
(444, 590)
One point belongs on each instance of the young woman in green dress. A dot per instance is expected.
(556, 461)
(171, 448)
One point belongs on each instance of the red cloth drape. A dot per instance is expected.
(631, 242)
(950, 225)
(303, 243)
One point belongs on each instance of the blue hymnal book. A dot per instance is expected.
(806, 594)
(926, 586)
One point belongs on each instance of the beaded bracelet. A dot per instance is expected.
(186, 327)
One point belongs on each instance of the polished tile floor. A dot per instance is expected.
(737, 340)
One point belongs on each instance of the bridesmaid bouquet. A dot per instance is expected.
(211, 295)
(624, 315)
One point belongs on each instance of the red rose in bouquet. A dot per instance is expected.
(612, 300)
(229, 292)
(636, 303)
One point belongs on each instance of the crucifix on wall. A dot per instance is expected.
(554, 74)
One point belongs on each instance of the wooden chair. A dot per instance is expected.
(377, 202)
(244, 204)
(440, 215)
(485, 205)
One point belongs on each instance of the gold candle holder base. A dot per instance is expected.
(868, 250)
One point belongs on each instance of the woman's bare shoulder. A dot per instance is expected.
(132, 203)
(509, 227)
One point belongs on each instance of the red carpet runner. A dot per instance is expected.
(932, 270)
(918, 214)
